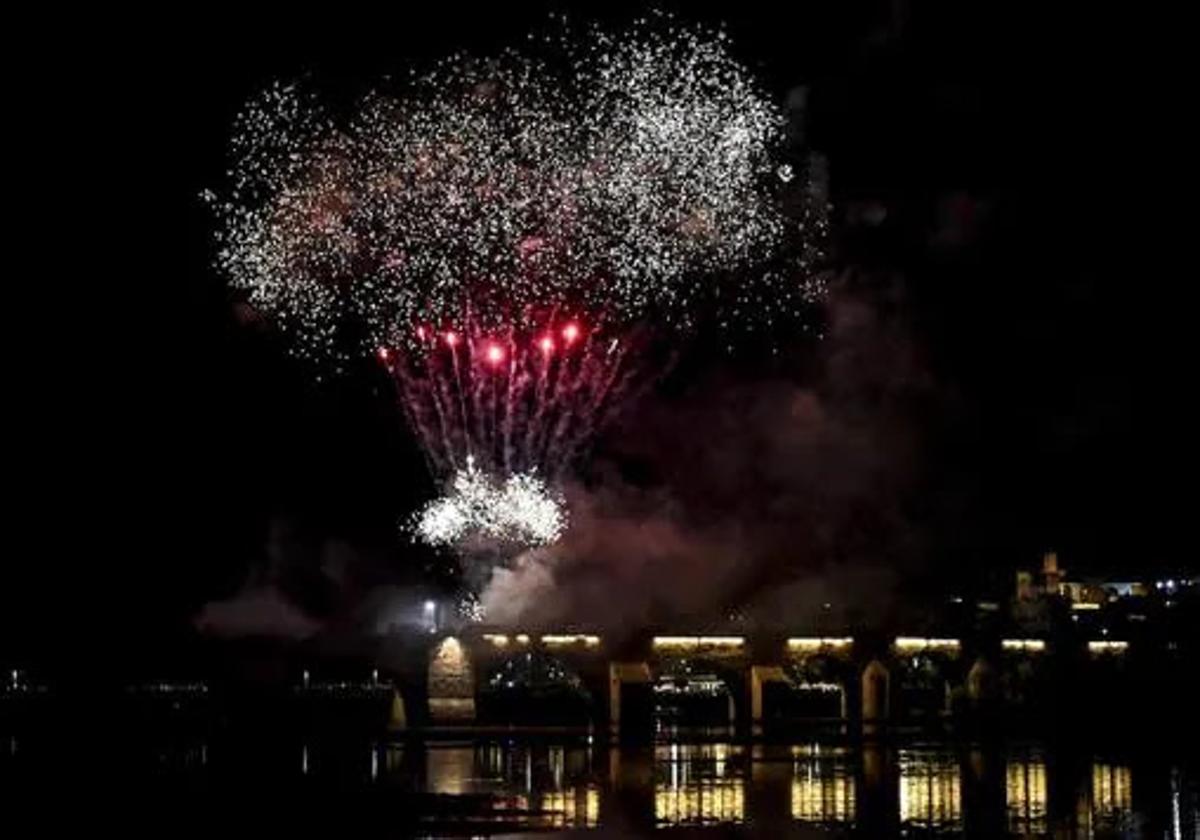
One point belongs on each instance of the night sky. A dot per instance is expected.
(1002, 184)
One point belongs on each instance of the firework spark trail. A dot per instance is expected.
(463, 429)
(437, 392)
(530, 409)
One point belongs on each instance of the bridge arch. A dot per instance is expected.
(699, 689)
(537, 686)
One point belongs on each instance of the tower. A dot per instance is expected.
(1052, 575)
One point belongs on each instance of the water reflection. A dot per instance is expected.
(930, 790)
(1025, 795)
(532, 785)
(1185, 806)
(871, 790)
(1110, 804)
(822, 787)
(698, 784)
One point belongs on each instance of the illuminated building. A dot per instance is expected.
(1052, 575)
(1080, 594)
(1026, 591)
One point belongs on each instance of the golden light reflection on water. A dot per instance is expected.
(930, 790)
(700, 802)
(541, 786)
(698, 784)
(450, 771)
(538, 787)
(574, 808)
(823, 792)
(1111, 796)
(1026, 795)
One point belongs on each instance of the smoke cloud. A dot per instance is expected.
(781, 503)
(284, 597)
(261, 611)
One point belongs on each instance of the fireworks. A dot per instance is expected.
(516, 402)
(612, 178)
(503, 233)
(519, 512)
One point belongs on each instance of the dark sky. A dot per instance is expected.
(1024, 161)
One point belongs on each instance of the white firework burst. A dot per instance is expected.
(606, 174)
(519, 511)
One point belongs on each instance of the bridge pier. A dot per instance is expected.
(397, 714)
(983, 685)
(760, 677)
(630, 701)
(876, 695)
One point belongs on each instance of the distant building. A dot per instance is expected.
(1050, 584)
(1128, 589)
(1052, 575)
(1026, 590)
(1089, 594)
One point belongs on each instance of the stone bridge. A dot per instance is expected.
(831, 679)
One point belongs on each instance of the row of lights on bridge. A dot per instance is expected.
(906, 644)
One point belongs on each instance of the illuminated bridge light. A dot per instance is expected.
(1031, 645)
(564, 640)
(497, 639)
(1105, 647)
(697, 642)
(522, 638)
(1085, 605)
(911, 644)
(807, 643)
